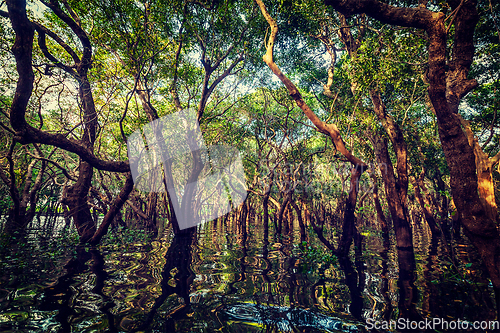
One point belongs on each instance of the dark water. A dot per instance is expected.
(228, 279)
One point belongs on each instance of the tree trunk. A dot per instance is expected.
(378, 207)
(151, 212)
(358, 166)
(441, 198)
(425, 204)
(303, 234)
(114, 209)
(19, 215)
(479, 227)
(398, 206)
(484, 167)
(349, 224)
(448, 84)
(76, 200)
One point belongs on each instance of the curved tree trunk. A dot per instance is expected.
(358, 166)
(398, 206)
(448, 84)
(114, 209)
(20, 215)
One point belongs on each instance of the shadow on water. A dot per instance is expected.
(236, 275)
(59, 296)
(261, 314)
(176, 279)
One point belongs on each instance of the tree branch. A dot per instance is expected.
(40, 28)
(419, 17)
(328, 129)
(64, 171)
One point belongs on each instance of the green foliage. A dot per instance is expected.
(317, 257)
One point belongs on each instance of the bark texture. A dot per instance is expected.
(448, 84)
(331, 130)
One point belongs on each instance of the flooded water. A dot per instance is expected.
(229, 278)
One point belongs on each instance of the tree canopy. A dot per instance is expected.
(325, 100)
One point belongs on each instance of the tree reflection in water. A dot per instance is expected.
(176, 278)
(233, 276)
(59, 296)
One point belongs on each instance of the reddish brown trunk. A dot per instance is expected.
(487, 189)
(425, 204)
(378, 207)
(448, 84)
(484, 167)
(398, 207)
(76, 200)
(396, 188)
(349, 224)
(473, 215)
(328, 129)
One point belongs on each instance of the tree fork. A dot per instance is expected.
(329, 129)
(25, 133)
